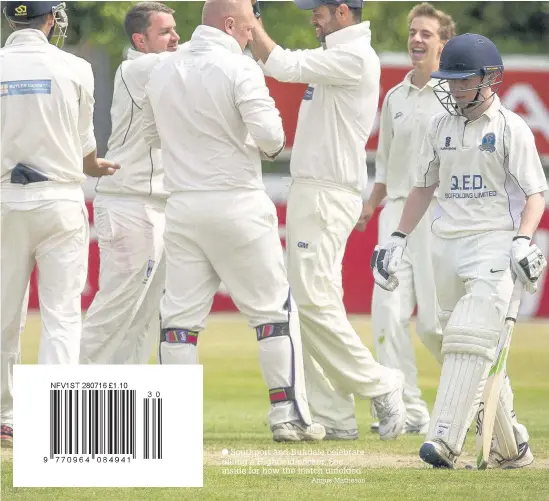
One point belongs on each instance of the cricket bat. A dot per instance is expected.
(494, 383)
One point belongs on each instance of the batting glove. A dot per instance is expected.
(527, 262)
(386, 259)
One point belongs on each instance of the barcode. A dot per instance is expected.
(152, 428)
(103, 422)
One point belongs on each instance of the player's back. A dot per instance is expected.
(206, 144)
(43, 91)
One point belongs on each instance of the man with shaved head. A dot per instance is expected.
(209, 109)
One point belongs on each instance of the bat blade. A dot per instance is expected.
(490, 400)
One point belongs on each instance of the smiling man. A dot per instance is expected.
(405, 114)
(328, 168)
(121, 324)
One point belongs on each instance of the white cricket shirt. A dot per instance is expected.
(141, 171)
(47, 117)
(405, 115)
(486, 168)
(338, 109)
(209, 109)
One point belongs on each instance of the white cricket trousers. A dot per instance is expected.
(392, 311)
(54, 235)
(121, 325)
(319, 220)
(232, 237)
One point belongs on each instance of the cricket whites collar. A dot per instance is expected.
(348, 34)
(26, 36)
(209, 35)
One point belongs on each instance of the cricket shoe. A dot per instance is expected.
(296, 431)
(391, 412)
(410, 429)
(333, 434)
(6, 436)
(524, 458)
(416, 429)
(437, 454)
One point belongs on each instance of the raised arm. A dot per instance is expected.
(337, 66)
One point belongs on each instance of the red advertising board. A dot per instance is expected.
(357, 277)
(524, 90)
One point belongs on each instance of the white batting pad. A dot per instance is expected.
(508, 433)
(469, 346)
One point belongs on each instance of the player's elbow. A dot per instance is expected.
(271, 144)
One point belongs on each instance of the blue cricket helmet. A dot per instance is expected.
(463, 57)
(467, 55)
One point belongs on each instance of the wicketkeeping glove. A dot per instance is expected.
(386, 259)
(527, 262)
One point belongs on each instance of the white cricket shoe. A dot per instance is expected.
(524, 458)
(437, 454)
(296, 431)
(410, 429)
(333, 434)
(391, 412)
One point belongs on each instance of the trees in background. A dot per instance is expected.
(516, 27)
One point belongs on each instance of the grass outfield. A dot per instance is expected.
(235, 407)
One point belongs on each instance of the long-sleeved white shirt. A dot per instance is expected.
(486, 169)
(210, 111)
(47, 117)
(405, 115)
(339, 106)
(141, 170)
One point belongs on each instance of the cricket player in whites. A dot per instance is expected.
(490, 193)
(209, 109)
(121, 325)
(328, 169)
(48, 147)
(405, 114)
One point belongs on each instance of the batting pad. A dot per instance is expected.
(469, 346)
(508, 433)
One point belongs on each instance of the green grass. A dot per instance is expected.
(235, 411)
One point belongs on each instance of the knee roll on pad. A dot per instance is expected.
(474, 328)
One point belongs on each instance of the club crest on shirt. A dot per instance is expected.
(308, 93)
(488, 143)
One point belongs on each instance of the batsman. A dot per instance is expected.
(483, 159)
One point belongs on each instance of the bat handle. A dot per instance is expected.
(514, 304)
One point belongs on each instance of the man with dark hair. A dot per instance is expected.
(328, 168)
(48, 147)
(121, 324)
